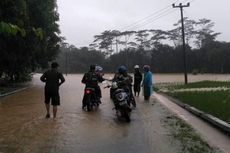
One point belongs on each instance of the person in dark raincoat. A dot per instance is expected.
(147, 82)
(137, 80)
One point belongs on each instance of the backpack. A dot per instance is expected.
(90, 78)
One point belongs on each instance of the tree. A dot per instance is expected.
(43, 14)
(28, 36)
(79, 60)
(142, 39)
(105, 41)
(128, 35)
(204, 33)
(13, 17)
(157, 37)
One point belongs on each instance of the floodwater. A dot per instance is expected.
(24, 129)
(179, 78)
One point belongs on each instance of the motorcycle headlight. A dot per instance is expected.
(120, 96)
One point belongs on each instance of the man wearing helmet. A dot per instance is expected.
(137, 80)
(91, 79)
(125, 81)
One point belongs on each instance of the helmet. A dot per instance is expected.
(122, 69)
(146, 67)
(98, 68)
(136, 67)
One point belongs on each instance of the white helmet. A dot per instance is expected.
(136, 67)
(98, 68)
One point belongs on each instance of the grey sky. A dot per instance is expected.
(80, 20)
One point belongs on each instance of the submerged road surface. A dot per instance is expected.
(24, 129)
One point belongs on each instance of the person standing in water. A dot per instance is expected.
(147, 82)
(53, 79)
(137, 80)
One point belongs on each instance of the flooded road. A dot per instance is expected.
(24, 129)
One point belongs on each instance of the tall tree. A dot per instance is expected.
(204, 33)
(142, 39)
(43, 14)
(105, 41)
(28, 35)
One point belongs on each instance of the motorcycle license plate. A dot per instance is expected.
(122, 103)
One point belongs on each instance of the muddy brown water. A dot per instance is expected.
(24, 129)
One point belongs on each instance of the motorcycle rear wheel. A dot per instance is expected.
(88, 104)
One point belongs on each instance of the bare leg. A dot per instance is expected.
(47, 110)
(54, 111)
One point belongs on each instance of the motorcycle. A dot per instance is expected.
(121, 101)
(91, 100)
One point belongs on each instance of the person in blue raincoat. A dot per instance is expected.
(147, 83)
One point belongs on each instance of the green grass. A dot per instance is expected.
(190, 141)
(216, 103)
(4, 90)
(11, 88)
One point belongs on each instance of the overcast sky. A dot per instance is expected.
(80, 20)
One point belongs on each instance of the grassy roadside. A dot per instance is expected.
(190, 141)
(216, 102)
(12, 87)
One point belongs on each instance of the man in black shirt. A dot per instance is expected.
(91, 79)
(53, 80)
(137, 80)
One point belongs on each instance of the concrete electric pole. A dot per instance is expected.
(182, 29)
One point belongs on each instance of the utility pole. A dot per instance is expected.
(66, 56)
(182, 30)
(116, 45)
(66, 67)
(66, 59)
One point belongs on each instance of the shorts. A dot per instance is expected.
(53, 96)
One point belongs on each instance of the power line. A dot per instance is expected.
(147, 17)
(154, 19)
(158, 17)
(144, 19)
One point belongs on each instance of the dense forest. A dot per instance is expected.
(162, 50)
(29, 37)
